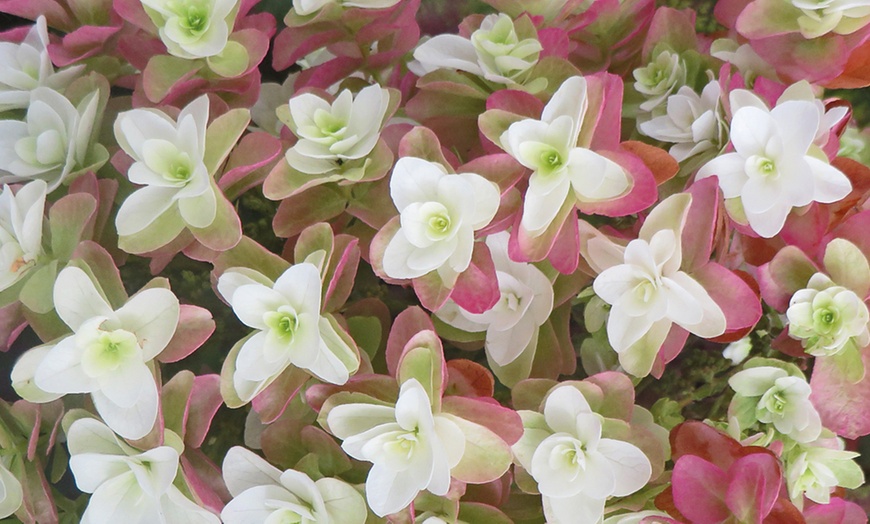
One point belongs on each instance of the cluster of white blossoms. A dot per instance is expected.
(193, 28)
(843, 17)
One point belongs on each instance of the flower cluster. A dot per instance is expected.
(468, 262)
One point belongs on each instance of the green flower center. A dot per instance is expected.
(825, 320)
(282, 322)
(109, 351)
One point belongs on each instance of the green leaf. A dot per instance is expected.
(163, 72)
(37, 294)
(222, 135)
(232, 61)
(848, 266)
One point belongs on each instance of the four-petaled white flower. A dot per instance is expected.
(128, 485)
(827, 318)
(494, 52)
(575, 468)
(193, 28)
(262, 493)
(11, 494)
(309, 7)
(169, 162)
(775, 165)
(290, 329)
(411, 448)
(26, 66)
(525, 304)
(21, 217)
(439, 214)
(549, 148)
(52, 142)
(780, 399)
(331, 134)
(693, 123)
(109, 353)
(647, 289)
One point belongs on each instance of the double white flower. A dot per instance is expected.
(168, 157)
(549, 148)
(780, 399)
(290, 329)
(108, 355)
(775, 165)
(525, 304)
(577, 470)
(21, 218)
(411, 448)
(439, 214)
(332, 134)
(263, 494)
(52, 142)
(309, 7)
(26, 66)
(193, 28)
(128, 486)
(494, 52)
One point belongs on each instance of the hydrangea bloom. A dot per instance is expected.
(26, 66)
(127, 485)
(21, 218)
(815, 469)
(411, 448)
(838, 16)
(661, 77)
(577, 470)
(773, 167)
(193, 28)
(439, 214)
(262, 493)
(109, 353)
(290, 329)
(494, 52)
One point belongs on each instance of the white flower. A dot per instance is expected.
(826, 318)
(816, 469)
(693, 123)
(11, 494)
(109, 353)
(331, 134)
(169, 162)
(411, 448)
(774, 166)
(52, 142)
(193, 28)
(648, 292)
(290, 329)
(263, 494)
(549, 148)
(658, 79)
(577, 470)
(634, 518)
(820, 17)
(308, 7)
(525, 304)
(494, 52)
(744, 58)
(781, 399)
(439, 215)
(128, 486)
(21, 218)
(737, 351)
(26, 66)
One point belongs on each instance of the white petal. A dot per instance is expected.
(570, 510)
(91, 470)
(76, 299)
(152, 315)
(134, 422)
(142, 208)
(302, 286)
(61, 370)
(244, 469)
(199, 211)
(449, 52)
(389, 492)
(730, 168)
(540, 209)
(830, 184)
(630, 467)
(347, 420)
(562, 407)
(414, 180)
